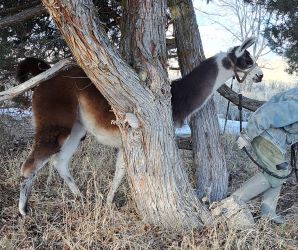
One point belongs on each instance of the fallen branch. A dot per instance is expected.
(53, 71)
(171, 43)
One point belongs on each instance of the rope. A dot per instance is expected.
(240, 111)
(228, 107)
(294, 151)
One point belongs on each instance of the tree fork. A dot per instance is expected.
(159, 184)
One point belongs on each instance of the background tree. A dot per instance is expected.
(208, 158)
(282, 32)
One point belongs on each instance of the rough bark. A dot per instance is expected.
(208, 155)
(187, 35)
(159, 184)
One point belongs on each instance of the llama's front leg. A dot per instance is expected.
(118, 177)
(62, 168)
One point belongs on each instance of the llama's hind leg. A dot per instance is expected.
(118, 177)
(64, 156)
(46, 144)
(26, 185)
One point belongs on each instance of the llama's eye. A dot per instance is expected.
(249, 61)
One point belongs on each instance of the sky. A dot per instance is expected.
(215, 39)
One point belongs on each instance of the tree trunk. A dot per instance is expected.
(208, 157)
(158, 183)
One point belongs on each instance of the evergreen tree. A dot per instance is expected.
(38, 37)
(282, 32)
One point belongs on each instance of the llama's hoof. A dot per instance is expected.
(109, 201)
(23, 209)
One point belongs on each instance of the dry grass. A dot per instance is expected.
(57, 221)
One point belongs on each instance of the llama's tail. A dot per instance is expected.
(30, 66)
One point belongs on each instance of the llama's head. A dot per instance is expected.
(241, 61)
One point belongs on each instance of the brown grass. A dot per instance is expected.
(57, 221)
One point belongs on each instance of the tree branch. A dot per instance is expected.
(53, 71)
(171, 43)
(18, 8)
(228, 93)
(184, 143)
(22, 16)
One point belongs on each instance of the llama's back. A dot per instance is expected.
(59, 102)
(54, 102)
(30, 66)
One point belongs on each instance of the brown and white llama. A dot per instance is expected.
(68, 105)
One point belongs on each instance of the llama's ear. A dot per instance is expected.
(246, 44)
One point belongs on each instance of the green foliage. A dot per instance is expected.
(34, 37)
(38, 37)
(282, 31)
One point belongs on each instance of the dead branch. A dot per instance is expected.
(174, 68)
(247, 103)
(171, 43)
(18, 8)
(170, 56)
(22, 16)
(184, 143)
(53, 71)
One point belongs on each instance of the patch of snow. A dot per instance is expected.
(16, 113)
(232, 127)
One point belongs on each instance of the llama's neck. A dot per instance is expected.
(225, 70)
(191, 92)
